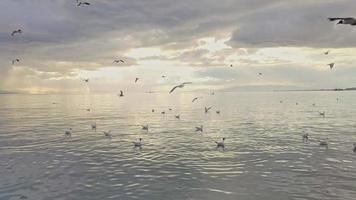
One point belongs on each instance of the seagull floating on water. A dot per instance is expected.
(327, 52)
(19, 31)
(93, 126)
(220, 144)
(322, 113)
(200, 129)
(305, 137)
(179, 86)
(218, 112)
(324, 143)
(15, 60)
(138, 143)
(344, 20)
(68, 132)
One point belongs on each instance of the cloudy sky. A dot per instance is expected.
(184, 40)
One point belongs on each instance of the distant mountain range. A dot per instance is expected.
(6, 92)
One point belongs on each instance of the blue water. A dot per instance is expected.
(265, 157)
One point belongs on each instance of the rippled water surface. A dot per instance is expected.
(265, 157)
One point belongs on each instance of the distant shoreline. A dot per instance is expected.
(319, 90)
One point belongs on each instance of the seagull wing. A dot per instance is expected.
(175, 87)
(194, 99)
(337, 18)
(187, 83)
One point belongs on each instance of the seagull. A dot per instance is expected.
(331, 65)
(213, 93)
(145, 127)
(327, 52)
(199, 128)
(153, 110)
(344, 20)
(218, 112)
(324, 143)
(68, 132)
(322, 113)
(163, 76)
(82, 3)
(19, 31)
(93, 126)
(163, 112)
(170, 109)
(86, 80)
(260, 73)
(354, 149)
(15, 60)
(136, 80)
(177, 116)
(305, 137)
(296, 103)
(220, 144)
(88, 109)
(231, 65)
(196, 98)
(179, 86)
(121, 93)
(207, 109)
(138, 143)
(107, 134)
(118, 61)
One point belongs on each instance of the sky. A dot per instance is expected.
(184, 40)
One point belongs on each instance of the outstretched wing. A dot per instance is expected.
(194, 99)
(175, 87)
(187, 83)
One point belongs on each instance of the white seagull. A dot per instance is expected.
(68, 132)
(200, 129)
(179, 86)
(138, 143)
(305, 137)
(220, 144)
(344, 20)
(322, 113)
(324, 143)
(15, 60)
(19, 31)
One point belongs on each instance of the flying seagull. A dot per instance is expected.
(327, 52)
(207, 109)
(121, 93)
(331, 65)
(231, 65)
(19, 31)
(136, 80)
(344, 20)
(220, 144)
(79, 3)
(138, 143)
(118, 61)
(86, 80)
(196, 98)
(163, 76)
(260, 73)
(179, 86)
(88, 109)
(218, 112)
(153, 110)
(200, 129)
(15, 60)
(107, 134)
(145, 127)
(322, 113)
(177, 116)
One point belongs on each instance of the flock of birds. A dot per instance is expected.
(219, 144)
